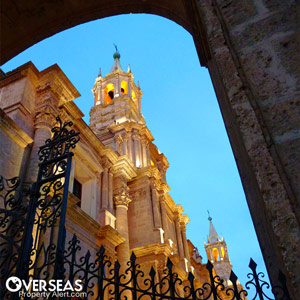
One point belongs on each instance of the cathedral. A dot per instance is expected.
(118, 194)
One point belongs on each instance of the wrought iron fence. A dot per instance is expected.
(32, 216)
(32, 245)
(103, 280)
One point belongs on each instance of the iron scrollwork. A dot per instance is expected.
(32, 216)
(14, 200)
(106, 279)
(262, 287)
(50, 207)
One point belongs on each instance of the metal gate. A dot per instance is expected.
(33, 247)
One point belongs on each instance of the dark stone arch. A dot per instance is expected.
(24, 23)
(250, 51)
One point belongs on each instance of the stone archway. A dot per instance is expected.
(249, 50)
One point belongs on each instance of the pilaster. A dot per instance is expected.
(121, 201)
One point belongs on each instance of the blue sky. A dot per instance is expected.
(181, 110)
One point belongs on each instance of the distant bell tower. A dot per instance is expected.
(217, 253)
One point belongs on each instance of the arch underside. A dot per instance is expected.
(24, 23)
(243, 85)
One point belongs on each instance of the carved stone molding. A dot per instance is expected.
(119, 139)
(153, 183)
(105, 163)
(135, 136)
(122, 200)
(122, 197)
(44, 119)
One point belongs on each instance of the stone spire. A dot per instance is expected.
(213, 236)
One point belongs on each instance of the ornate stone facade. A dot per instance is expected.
(118, 196)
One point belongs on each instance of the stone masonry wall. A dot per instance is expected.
(252, 68)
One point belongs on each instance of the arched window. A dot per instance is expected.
(124, 87)
(134, 98)
(223, 252)
(109, 93)
(216, 254)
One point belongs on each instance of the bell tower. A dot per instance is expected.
(217, 252)
(116, 98)
(116, 117)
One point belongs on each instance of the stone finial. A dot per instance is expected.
(209, 217)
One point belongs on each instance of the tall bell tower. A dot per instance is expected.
(117, 120)
(116, 117)
(217, 252)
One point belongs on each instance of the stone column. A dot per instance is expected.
(44, 121)
(129, 87)
(178, 235)
(185, 244)
(183, 222)
(118, 87)
(129, 145)
(99, 91)
(99, 197)
(155, 205)
(104, 193)
(102, 94)
(110, 191)
(125, 144)
(122, 200)
(140, 152)
(136, 150)
(144, 143)
(119, 142)
(148, 154)
(139, 105)
(163, 173)
(164, 216)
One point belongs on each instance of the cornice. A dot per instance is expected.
(90, 136)
(111, 235)
(52, 76)
(156, 175)
(123, 166)
(114, 74)
(87, 157)
(14, 131)
(73, 110)
(164, 187)
(80, 218)
(26, 70)
(170, 202)
(164, 160)
(153, 249)
(110, 154)
(185, 219)
(179, 209)
(144, 172)
(55, 71)
(146, 131)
